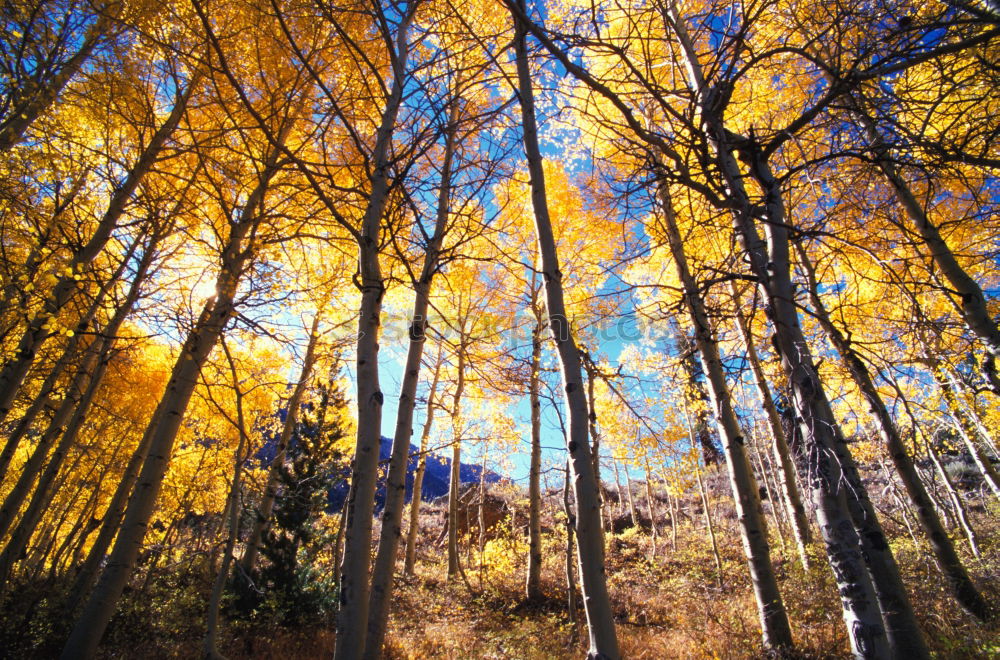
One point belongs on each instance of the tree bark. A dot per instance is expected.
(455, 479)
(770, 266)
(649, 502)
(571, 606)
(533, 589)
(775, 628)
(962, 587)
(789, 487)
(618, 486)
(352, 619)
(629, 498)
(395, 496)
(769, 489)
(418, 478)
(709, 526)
(590, 550)
(595, 436)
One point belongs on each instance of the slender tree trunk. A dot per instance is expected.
(709, 526)
(109, 525)
(352, 619)
(67, 421)
(533, 589)
(70, 354)
(571, 606)
(953, 495)
(22, 532)
(972, 302)
(674, 510)
(590, 550)
(454, 482)
(962, 394)
(59, 564)
(14, 371)
(944, 551)
(262, 517)
(775, 628)
(771, 493)
(64, 554)
(789, 489)
(595, 436)
(210, 643)
(965, 428)
(392, 512)
(652, 508)
(482, 518)
(97, 612)
(338, 544)
(631, 500)
(418, 478)
(34, 559)
(618, 487)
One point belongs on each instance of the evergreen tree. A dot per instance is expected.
(289, 584)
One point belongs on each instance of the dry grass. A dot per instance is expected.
(667, 602)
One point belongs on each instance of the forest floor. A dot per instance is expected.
(667, 594)
(667, 598)
(668, 603)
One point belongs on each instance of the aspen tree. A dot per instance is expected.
(533, 582)
(392, 512)
(774, 621)
(66, 422)
(16, 368)
(950, 565)
(418, 477)
(39, 65)
(600, 620)
(352, 618)
(210, 643)
(162, 432)
(789, 487)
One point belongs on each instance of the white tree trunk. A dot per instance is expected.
(352, 619)
(600, 617)
(418, 478)
(165, 424)
(392, 512)
(789, 487)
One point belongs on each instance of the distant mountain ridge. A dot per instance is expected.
(436, 479)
